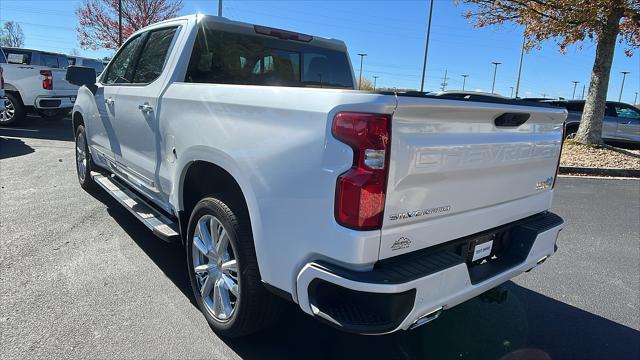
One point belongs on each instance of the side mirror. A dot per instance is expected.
(81, 75)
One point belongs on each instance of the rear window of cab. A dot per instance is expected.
(221, 57)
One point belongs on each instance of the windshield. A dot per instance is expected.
(229, 58)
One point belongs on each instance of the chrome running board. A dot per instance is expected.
(161, 225)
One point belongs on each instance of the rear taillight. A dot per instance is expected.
(1, 78)
(47, 82)
(564, 133)
(360, 191)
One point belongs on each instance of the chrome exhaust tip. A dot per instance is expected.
(428, 317)
(542, 259)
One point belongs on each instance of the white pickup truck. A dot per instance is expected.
(34, 82)
(373, 212)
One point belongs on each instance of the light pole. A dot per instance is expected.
(624, 75)
(464, 80)
(361, 60)
(635, 99)
(444, 81)
(219, 7)
(426, 47)
(119, 22)
(511, 87)
(520, 66)
(375, 79)
(575, 83)
(495, 70)
(583, 86)
(544, 95)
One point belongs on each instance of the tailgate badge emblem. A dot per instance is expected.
(401, 243)
(542, 185)
(417, 213)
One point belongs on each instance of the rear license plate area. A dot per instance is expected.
(482, 248)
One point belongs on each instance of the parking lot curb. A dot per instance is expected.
(635, 173)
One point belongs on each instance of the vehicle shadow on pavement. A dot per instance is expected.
(528, 325)
(36, 127)
(10, 147)
(169, 257)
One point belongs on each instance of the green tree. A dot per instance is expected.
(568, 22)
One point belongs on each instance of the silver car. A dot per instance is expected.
(621, 121)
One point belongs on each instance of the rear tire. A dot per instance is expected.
(83, 160)
(249, 307)
(14, 111)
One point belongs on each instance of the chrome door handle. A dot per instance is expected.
(109, 101)
(145, 108)
(625, 123)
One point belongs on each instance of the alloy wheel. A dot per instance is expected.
(9, 111)
(216, 268)
(81, 156)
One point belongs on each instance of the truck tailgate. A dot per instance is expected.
(455, 170)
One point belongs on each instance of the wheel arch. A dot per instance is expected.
(209, 174)
(221, 175)
(76, 119)
(202, 178)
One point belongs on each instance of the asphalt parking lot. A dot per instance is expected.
(81, 278)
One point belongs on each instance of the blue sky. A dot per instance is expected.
(392, 33)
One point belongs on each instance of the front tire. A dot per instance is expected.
(224, 271)
(83, 160)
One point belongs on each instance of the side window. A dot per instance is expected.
(94, 64)
(49, 60)
(627, 112)
(18, 56)
(610, 110)
(121, 67)
(63, 62)
(153, 56)
(575, 106)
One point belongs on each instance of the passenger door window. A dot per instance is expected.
(121, 68)
(154, 55)
(627, 112)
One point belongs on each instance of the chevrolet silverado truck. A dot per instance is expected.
(35, 82)
(373, 212)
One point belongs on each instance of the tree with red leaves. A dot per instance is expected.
(98, 19)
(572, 21)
